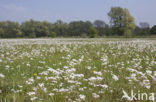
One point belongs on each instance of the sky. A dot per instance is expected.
(74, 10)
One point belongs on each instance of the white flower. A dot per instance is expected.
(115, 77)
(89, 67)
(148, 71)
(1, 75)
(51, 94)
(104, 86)
(82, 97)
(97, 73)
(65, 67)
(34, 88)
(95, 79)
(7, 66)
(31, 93)
(33, 98)
(146, 83)
(28, 64)
(20, 86)
(38, 77)
(70, 70)
(30, 81)
(154, 73)
(41, 84)
(95, 95)
(63, 90)
(81, 89)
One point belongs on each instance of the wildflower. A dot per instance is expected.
(104, 86)
(95, 79)
(154, 73)
(41, 84)
(89, 67)
(65, 67)
(7, 66)
(28, 64)
(97, 73)
(148, 71)
(82, 97)
(115, 77)
(95, 95)
(31, 93)
(30, 81)
(33, 98)
(51, 94)
(35, 74)
(94, 71)
(1, 75)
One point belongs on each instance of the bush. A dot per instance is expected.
(84, 35)
(93, 32)
(53, 34)
(153, 30)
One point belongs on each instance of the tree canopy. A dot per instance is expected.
(121, 21)
(121, 24)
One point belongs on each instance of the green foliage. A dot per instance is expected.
(63, 69)
(84, 35)
(77, 28)
(10, 29)
(101, 27)
(60, 28)
(93, 32)
(53, 35)
(121, 24)
(153, 30)
(36, 29)
(129, 24)
(1, 32)
(121, 21)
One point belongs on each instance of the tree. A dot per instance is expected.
(28, 29)
(93, 32)
(53, 35)
(78, 28)
(145, 28)
(10, 29)
(101, 27)
(1, 32)
(128, 23)
(60, 28)
(99, 23)
(153, 30)
(121, 21)
(36, 28)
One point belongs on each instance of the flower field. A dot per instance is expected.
(76, 70)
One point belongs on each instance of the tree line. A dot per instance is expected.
(121, 24)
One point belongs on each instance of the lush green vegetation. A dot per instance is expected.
(121, 24)
(81, 70)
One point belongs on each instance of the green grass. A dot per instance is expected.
(69, 68)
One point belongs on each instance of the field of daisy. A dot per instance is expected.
(77, 70)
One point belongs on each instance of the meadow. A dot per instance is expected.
(76, 69)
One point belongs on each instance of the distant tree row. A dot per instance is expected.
(121, 24)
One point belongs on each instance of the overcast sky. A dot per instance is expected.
(70, 10)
